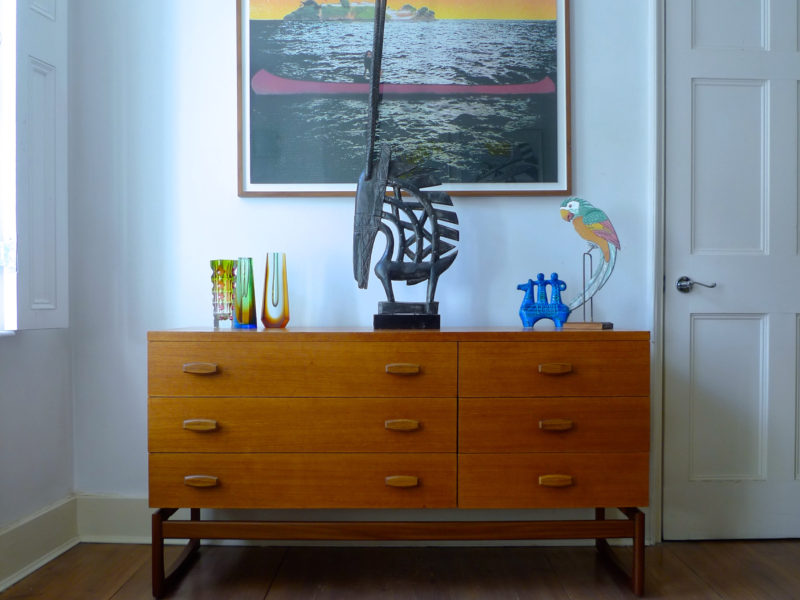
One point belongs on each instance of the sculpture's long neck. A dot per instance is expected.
(387, 232)
(375, 81)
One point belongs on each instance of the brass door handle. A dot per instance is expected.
(555, 368)
(200, 425)
(402, 481)
(402, 368)
(401, 424)
(555, 480)
(555, 424)
(200, 368)
(201, 481)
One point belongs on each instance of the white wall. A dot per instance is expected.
(36, 467)
(153, 198)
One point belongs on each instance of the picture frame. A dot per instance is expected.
(480, 100)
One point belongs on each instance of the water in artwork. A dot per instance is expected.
(317, 138)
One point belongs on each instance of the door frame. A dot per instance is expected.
(655, 196)
(658, 91)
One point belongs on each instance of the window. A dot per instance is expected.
(8, 154)
(33, 173)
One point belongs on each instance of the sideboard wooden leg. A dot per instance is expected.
(637, 567)
(600, 543)
(157, 549)
(636, 574)
(599, 514)
(162, 579)
(637, 577)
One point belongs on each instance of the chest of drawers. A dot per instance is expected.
(398, 419)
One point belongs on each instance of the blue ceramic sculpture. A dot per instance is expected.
(540, 308)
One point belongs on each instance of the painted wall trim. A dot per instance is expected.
(36, 540)
(113, 519)
(658, 86)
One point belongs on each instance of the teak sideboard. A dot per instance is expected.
(466, 419)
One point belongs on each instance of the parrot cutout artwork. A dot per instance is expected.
(593, 225)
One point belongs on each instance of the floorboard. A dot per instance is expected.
(735, 570)
(738, 570)
(83, 572)
(667, 576)
(585, 575)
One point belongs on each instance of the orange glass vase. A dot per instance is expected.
(275, 307)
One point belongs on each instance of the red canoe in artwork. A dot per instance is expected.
(265, 83)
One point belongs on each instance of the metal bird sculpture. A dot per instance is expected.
(416, 246)
(593, 225)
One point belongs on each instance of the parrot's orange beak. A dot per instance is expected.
(566, 215)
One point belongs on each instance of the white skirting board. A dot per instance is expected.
(112, 519)
(39, 538)
(36, 540)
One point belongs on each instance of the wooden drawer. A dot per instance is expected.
(513, 480)
(303, 480)
(582, 424)
(303, 369)
(302, 424)
(520, 369)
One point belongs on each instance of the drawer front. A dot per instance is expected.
(303, 369)
(599, 424)
(303, 480)
(302, 424)
(567, 480)
(526, 369)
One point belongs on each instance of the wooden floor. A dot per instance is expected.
(746, 570)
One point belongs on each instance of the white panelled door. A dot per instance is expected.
(732, 451)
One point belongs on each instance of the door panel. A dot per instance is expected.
(728, 402)
(728, 136)
(744, 27)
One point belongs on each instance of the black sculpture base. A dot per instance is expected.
(405, 321)
(406, 315)
(587, 325)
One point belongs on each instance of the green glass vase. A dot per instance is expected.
(244, 304)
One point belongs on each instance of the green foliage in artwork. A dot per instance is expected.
(498, 148)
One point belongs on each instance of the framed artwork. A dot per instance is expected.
(475, 92)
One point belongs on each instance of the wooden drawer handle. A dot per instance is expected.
(555, 480)
(555, 368)
(402, 368)
(401, 424)
(201, 481)
(200, 425)
(555, 424)
(402, 481)
(199, 368)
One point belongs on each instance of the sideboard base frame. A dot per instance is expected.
(599, 529)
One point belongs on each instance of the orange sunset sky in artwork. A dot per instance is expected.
(444, 9)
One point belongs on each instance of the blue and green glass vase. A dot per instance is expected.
(244, 304)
